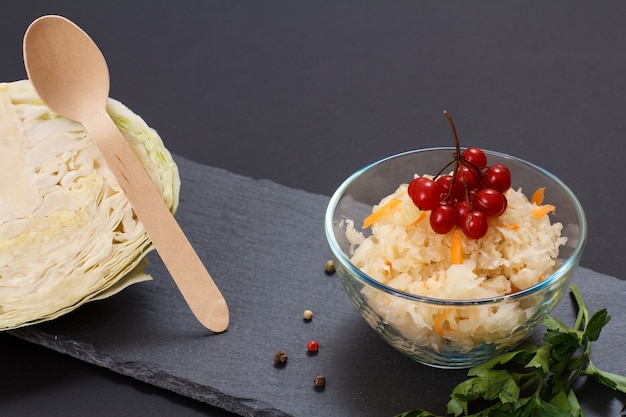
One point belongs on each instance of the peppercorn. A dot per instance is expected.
(319, 381)
(280, 357)
(313, 346)
(308, 315)
(330, 267)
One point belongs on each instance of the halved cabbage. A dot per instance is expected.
(68, 235)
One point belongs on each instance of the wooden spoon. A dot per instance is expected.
(71, 76)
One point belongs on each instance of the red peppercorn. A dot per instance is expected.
(313, 346)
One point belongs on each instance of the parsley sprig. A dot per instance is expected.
(535, 381)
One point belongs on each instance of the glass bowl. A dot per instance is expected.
(399, 319)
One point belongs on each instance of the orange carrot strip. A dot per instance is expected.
(390, 205)
(387, 271)
(512, 226)
(440, 320)
(539, 212)
(456, 247)
(416, 222)
(538, 195)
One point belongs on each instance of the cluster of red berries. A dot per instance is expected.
(465, 198)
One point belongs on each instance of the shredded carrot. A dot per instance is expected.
(512, 226)
(456, 247)
(390, 205)
(541, 278)
(539, 212)
(514, 289)
(416, 222)
(440, 320)
(538, 195)
(387, 271)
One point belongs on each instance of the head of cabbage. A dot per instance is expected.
(68, 235)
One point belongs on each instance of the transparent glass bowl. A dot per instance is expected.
(395, 319)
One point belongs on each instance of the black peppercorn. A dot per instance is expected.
(319, 381)
(280, 357)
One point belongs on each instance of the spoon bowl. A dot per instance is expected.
(69, 89)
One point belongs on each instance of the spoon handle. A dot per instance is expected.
(191, 277)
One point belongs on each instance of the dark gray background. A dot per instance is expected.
(304, 93)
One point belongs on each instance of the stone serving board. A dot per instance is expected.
(264, 244)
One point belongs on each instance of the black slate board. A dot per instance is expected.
(264, 245)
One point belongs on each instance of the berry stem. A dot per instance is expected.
(445, 168)
(457, 158)
(456, 137)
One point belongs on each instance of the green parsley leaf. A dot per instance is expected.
(541, 360)
(596, 323)
(611, 380)
(537, 407)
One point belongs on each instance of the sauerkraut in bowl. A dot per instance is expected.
(437, 305)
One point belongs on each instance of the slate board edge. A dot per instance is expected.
(148, 374)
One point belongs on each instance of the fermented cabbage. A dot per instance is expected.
(68, 235)
(518, 251)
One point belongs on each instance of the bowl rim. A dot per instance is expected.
(570, 263)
